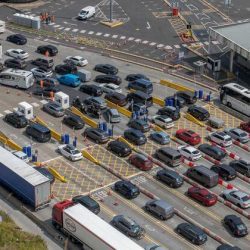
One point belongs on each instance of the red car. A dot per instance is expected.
(245, 126)
(188, 136)
(141, 162)
(202, 195)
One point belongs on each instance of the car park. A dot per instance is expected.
(117, 98)
(106, 69)
(69, 80)
(41, 73)
(212, 151)
(163, 121)
(135, 136)
(45, 92)
(241, 167)
(76, 60)
(38, 132)
(238, 134)
(17, 53)
(63, 69)
(50, 49)
(113, 115)
(202, 195)
(96, 102)
(170, 178)
(141, 161)
(70, 152)
(18, 39)
(120, 148)
(46, 173)
(43, 62)
(172, 112)
(21, 155)
(142, 85)
(188, 136)
(110, 88)
(87, 202)
(245, 126)
(188, 96)
(53, 108)
(127, 189)
(96, 134)
(108, 79)
(16, 119)
(198, 112)
(128, 226)
(15, 63)
(192, 233)
(235, 225)
(190, 152)
(73, 121)
(140, 97)
(133, 77)
(91, 89)
(238, 198)
(139, 124)
(160, 137)
(225, 171)
(169, 156)
(221, 138)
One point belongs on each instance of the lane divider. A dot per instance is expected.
(176, 86)
(245, 147)
(194, 120)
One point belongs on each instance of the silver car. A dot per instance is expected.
(54, 109)
(238, 198)
(238, 134)
(41, 73)
(160, 137)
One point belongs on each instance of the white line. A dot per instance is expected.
(98, 33)
(145, 42)
(184, 45)
(43, 101)
(91, 32)
(137, 40)
(7, 111)
(215, 42)
(177, 46)
(56, 26)
(206, 43)
(35, 104)
(61, 28)
(114, 36)
(148, 26)
(152, 44)
(160, 45)
(67, 29)
(168, 47)
(75, 30)
(123, 37)
(51, 24)
(82, 31)
(106, 35)
(131, 38)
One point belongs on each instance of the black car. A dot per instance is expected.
(138, 107)
(198, 112)
(46, 173)
(139, 124)
(96, 134)
(77, 103)
(241, 166)
(73, 121)
(169, 177)
(135, 136)
(188, 96)
(47, 82)
(227, 247)
(16, 119)
(15, 63)
(236, 225)
(50, 49)
(46, 92)
(224, 171)
(17, 39)
(213, 151)
(177, 101)
(133, 77)
(38, 132)
(127, 189)
(117, 98)
(192, 233)
(122, 149)
(172, 112)
(106, 69)
(43, 62)
(63, 69)
(91, 89)
(108, 79)
(87, 202)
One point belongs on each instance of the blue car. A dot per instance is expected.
(160, 137)
(69, 80)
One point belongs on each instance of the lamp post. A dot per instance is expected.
(110, 10)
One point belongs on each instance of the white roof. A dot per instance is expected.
(17, 72)
(88, 8)
(101, 229)
(61, 94)
(78, 57)
(190, 149)
(24, 105)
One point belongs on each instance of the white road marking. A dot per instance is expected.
(114, 36)
(160, 45)
(82, 31)
(7, 111)
(168, 47)
(56, 26)
(75, 30)
(61, 28)
(35, 104)
(131, 38)
(206, 43)
(67, 29)
(106, 35)
(43, 101)
(123, 37)
(177, 46)
(152, 44)
(15, 109)
(91, 32)
(184, 45)
(98, 33)
(73, 24)
(145, 42)
(51, 24)
(215, 42)
(137, 40)
(148, 26)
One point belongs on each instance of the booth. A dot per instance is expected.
(26, 109)
(62, 99)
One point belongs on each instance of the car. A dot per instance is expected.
(71, 80)
(188, 96)
(172, 112)
(227, 247)
(21, 155)
(202, 195)
(160, 137)
(18, 39)
(190, 152)
(96, 134)
(112, 115)
(140, 97)
(127, 189)
(163, 121)
(241, 167)
(63, 69)
(135, 136)
(142, 85)
(15, 63)
(47, 82)
(141, 161)
(41, 73)
(70, 152)
(198, 112)
(54, 109)
(133, 77)
(169, 177)
(76, 60)
(212, 151)
(235, 225)
(117, 98)
(154, 247)
(50, 50)
(96, 102)
(46, 62)
(46, 173)
(139, 124)
(106, 69)
(91, 89)
(38, 132)
(45, 92)
(110, 88)
(225, 171)
(120, 148)
(87, 202)
(139, 108)
(188, 136)
(238, 198)
(108, 79)
(221, 138)
(17, 53)
(192, 233)
(128, 226)
(238, 134)
(73, 121)
(245, 126)
(86, 13)
(178, 101)
(16, 119)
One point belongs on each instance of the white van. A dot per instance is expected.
(17, 78)
(86, 13)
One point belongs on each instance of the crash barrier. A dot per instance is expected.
(119, 108)
(10, 143)
(176, 86)
(87, 155)
(245, 147)
(57, 175)
(122, 139)
(194, 120)
(158, 101)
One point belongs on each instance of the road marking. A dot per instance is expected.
(15, 109)
(75, 30)
(123, 37)
(51, 24)
(61, 28)
(7, 111)
(168, 47)
(106, 35)
(145, 42)
(148, 26)
(82, 31)
(43, 101)
(184, 45)
(137, 40)
(35, 104)
(177, 46)
(98, 33)
(91, 32)
(152, 44)
(215, 42)
(114, 36)
(131, 38)
(70, 23)
(206, 43)
(56, 26)
(160, 45)
(67, 29)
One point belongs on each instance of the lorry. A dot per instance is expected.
(84, 75)
(23, 180)
(84, 227)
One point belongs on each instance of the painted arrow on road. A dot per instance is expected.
(148, 26)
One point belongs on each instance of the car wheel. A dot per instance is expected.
(171, 185)
(18, 43)
(97, 141)
(193, 241)
(229, 104)
(120, 154)
(178, 231)
(147, 208)
(239, 205)
(224, 197)
(161, 217)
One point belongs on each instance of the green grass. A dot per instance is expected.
(13, 238)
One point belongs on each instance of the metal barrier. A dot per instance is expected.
(87, 155)
(176, 86)
(194, 120)
(158, 101)
(119, 108)
(8, 142)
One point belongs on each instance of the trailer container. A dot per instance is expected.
(27, 183)
(84, 75)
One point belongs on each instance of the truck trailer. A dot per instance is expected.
(23, 180)
(88, 229)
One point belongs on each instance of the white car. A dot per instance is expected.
(77, 60)
(17, 53)
(163, 121)
(110, 88)
(190, 152)
(238, 198)
(41, 73)
(70, 152)
(221, 138)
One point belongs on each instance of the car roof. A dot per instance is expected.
(120, 143)
(86, 199)
(114, 111)
(142, 156)
(240, 194)
(190, 148)
(70, 146)
(40, 127)
(222, 133)
(170, 172)
(162, 133)
(136, 131)
(162, 203)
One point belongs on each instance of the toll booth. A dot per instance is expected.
(62, 99)
(26, 109)
(214, 64)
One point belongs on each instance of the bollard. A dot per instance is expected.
(25, 150)
(196, 93)
(110, 132)
(66, 138)
(29, 151)
(200, 94)
(171, 103)
(101, 125)
(62, 138)
(75, 141)
(166, 102)
(208, 99)
(105, 126)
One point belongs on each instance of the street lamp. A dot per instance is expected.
(111, 10)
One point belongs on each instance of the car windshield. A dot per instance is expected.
(196, 152)
(241, 227)
(75, 151)
(135, 228)
(243, 134)
(177, 157)
(84, 12)
(228, 139)
(245, 198)
(22, 52)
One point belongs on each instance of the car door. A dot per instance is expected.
(123, 226)
(234, 198)
(124, 189)
(185, 153)
(166, 178)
